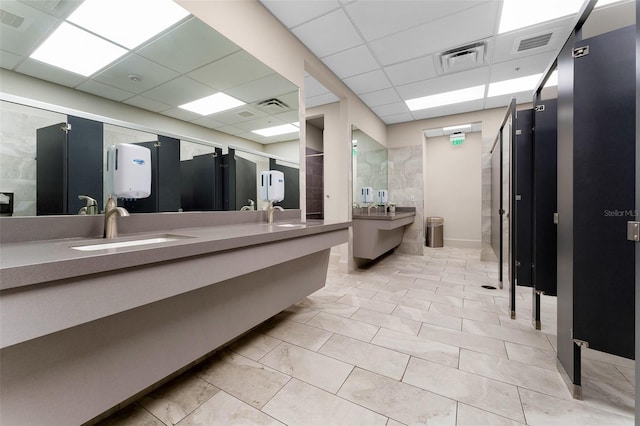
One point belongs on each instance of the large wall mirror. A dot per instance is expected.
(212, 163)
(370, 162)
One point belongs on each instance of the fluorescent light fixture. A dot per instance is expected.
(515, 85)
(128, 23)
(446, 98)
(278, 130)
(456, 128)
(212, 104)
(519, 14)
(76, 50)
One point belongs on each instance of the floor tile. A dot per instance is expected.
(433, 318)
(432, 350)
(328, 306)
(604, 372)
(254, 345)
(133, 415)
(605, 357)
(532, 356)
(405, 403)
(175, 400)
(310, 367)
(392, 322)
(609, 397)
(298, 334)
(463, 339)
(301, 404)
(432, 296)
(243, 378)
(403, 300)
(372, 305)
(347, 327)
(297, 313)
(465, 313)
(500, 308)
(529, 338)
(487, 394)
(225, 410)
(544, 410)
(471, 416)
(514, 372)
(365, 355)
(629, 374)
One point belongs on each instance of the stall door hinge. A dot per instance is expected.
(539, 108)
(579, 52)
(556, 218)
(633, 231)
(66, 127)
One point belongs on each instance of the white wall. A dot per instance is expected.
(453, 187)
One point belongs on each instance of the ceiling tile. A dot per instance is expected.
(504, 46)
(104, 90)
(351, 62)
(231, 71)
(179, 91)
(327, 98)
(478, 23)
(181, 48)
(376, 19)
(152, 74)
(231, 130)
(391, 109)
(504, 100)
(411, 71)
(35, 26)
(146, 103)
(9, 60)
(397, 118)
(328, 34)
(368, 82)
(234, 116)
(460, 108)
(445, 83)
(181, 114)
(522, 67)
(380, 97)
(295, 12)
(208, 122)
(47, 72)
(259, 90)
(260, 123)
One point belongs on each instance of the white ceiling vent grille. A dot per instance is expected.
(246, 114)
(534, 42)
(463, 58)
(273, 105)
(10, 19)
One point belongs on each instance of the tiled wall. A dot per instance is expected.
(371, 170)
(315, 184)
(406, 180)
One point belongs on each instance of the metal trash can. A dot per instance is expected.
(435, 231)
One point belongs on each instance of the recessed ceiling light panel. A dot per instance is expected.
(520, 14)
(278, 130)
(76, 50)
(212, 104)
(446, 98)
(515, 85)
(127, 22)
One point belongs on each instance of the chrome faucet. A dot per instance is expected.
(111, 212)
(369, 208)
(251, 206)
(270, 210)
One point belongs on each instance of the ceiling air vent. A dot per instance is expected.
(246, 114)
(534, 42)
(273, 105)
(463, 58)
(10, 19)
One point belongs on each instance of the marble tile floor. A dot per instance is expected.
(408, 340)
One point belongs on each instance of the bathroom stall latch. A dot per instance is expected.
(66, 127)
(633, 231)
(579, 52)
(539, 108)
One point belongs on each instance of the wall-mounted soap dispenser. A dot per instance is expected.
(381, 196)
(128, 171)
(272, 186)
(366, 194)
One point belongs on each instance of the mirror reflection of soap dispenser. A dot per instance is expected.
(381, 197)
(272, 186)
(366, 194)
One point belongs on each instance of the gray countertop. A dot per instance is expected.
(383, 216)
(26, 263)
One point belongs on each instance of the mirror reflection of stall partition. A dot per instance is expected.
(138, 99)
(370, 162)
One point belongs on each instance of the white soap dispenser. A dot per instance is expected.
(381, 197)
(366, 194)
(272, 186)
(128, 171)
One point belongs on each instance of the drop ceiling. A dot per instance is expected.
(390, 51)
(170, 69)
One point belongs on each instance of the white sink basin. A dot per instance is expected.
(156, 239)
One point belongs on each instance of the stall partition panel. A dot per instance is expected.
(545, 179)
(604, 193)
(496, 204)
(524, 197)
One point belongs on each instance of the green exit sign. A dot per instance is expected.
(457, 139)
